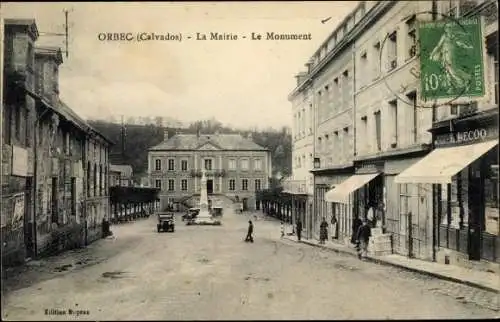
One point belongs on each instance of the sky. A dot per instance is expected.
(242, 83)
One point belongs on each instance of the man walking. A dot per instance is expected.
(363, 237)
(249, 237)
(299, 229)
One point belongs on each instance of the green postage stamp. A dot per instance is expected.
(451, 59)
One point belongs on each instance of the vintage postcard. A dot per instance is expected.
(249, 160)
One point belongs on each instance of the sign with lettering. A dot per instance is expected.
(19, 161)
(469, 136)
(451, 59)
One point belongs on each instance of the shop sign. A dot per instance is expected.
(466, 136)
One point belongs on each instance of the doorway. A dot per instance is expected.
(210, 186)
(28, 224)
(245, 204)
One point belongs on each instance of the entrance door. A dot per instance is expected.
(210, 186)
(245, 204)
(476, 205)
(28, 221)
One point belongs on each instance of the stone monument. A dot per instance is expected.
(204, 217)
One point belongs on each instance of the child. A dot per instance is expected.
(282, 230)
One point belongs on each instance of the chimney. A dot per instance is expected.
(165, 135)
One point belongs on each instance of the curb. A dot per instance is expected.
(415, 270)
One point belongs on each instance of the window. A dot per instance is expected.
(411, 39)
(232, 184)
(157, 164)
(257, 184)
(95, 180)
(184, 185)
(158, 183)
(393, 109)
(345, 89)
(101, 182)
(244, 164)
(364, 132)
(208, 164)
(491, 193)
(171, 164)
(496, 81)
(377, 58)
(171, 185)
(345, 144)
(244, 184)
(412, 98)
(55, 198)
(392, 51)
(258, 164)
(184, 165)
(378, 130)
(363, 67)
(319, 144)
(232, 164)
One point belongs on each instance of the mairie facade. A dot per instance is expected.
(235, 167)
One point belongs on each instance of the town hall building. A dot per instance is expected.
(236, 167)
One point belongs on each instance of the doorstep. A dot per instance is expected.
(480, 279)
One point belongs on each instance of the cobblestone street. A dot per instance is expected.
(203, 272)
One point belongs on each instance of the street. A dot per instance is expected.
(208, 272)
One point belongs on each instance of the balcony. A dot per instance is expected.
(295, 186)
(209, 173)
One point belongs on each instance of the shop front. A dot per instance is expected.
(337, 215)
(463, 171)
(352, 197)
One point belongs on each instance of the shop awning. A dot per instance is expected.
(342, 191)
(442, 164)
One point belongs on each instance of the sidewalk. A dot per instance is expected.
(483, 280)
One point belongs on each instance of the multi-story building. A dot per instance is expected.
(235, 168)
(462, 171)
(17, 143)
(300, 183)
(394, 132)
(61, 205)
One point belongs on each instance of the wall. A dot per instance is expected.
(374, 95)
(335, 112)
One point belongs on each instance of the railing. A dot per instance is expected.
(295, 186)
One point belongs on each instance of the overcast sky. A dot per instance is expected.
(243, 83)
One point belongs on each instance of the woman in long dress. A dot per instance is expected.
(323, 231)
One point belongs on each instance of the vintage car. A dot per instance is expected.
(191, 214)
(166, 222)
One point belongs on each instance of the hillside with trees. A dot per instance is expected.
(139, 138)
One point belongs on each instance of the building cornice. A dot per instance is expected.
(368, 19)
(415, 149)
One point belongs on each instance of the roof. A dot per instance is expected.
(190, 142)
(125, 169)
(30, 23)
(71, 116)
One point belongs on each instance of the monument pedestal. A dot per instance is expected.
(204, 217)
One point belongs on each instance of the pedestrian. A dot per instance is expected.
(299, 229)
(323, 231)
(363, 237)
(249, 237)
(282, 230)
(356, 223)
